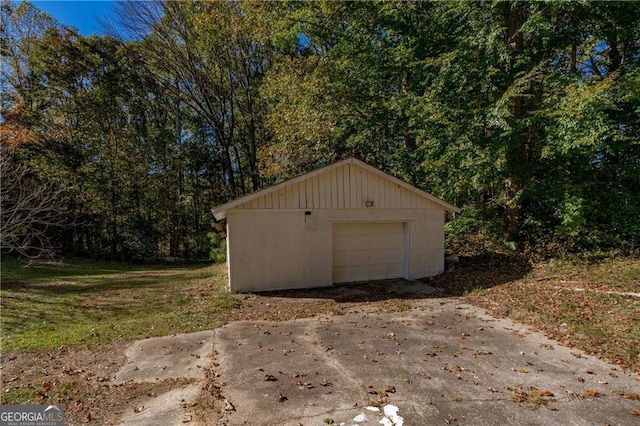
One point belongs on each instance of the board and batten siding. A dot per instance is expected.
(282, 237)
(346, 187)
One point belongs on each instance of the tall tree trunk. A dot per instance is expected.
(615, 58)
(516, 153)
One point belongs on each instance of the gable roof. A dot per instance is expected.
(220, 212)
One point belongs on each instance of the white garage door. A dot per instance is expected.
(367, 251)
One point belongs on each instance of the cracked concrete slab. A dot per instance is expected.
(445, 361)
(169, 408)
(159, 358)
(182, 356)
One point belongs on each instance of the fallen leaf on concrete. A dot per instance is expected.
(269, 378)
(631, 396)
(281, 398)
(450, 419)
(458, 368)
(138, 409)
(572, 395)
(539, 394)
(635, 412)
(228, 406)
(593, 393)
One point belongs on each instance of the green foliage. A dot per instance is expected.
(473, 233)
(524, 113)
(302, 118)
(218, 251)
(460, 229)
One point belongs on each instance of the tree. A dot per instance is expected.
(31, 207)
(517, 110)
(523, 113)
(204, 55)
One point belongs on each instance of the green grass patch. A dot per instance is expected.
(46, 305)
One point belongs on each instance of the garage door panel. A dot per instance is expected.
(378, 241)
(358, 230)
(342, 258)
(359, 258)
(371, 228)
(376, 229)
(393, 256)
(395, 239)
(378, 270)
(358, 241)
(396, 245)
(341, 242)
(367, 251)
(378, 256)
(394, 269)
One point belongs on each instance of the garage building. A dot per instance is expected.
(345, 222)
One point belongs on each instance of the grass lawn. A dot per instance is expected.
(49, 304)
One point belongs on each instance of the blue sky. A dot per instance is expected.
(83, 15)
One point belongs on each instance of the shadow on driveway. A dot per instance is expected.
(472, 273)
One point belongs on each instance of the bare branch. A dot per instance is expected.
(31, 207)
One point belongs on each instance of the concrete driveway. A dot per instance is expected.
(442, 363)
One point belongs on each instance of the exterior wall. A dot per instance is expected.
(293, 248)
(265, 250)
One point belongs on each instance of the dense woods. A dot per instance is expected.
(524, 114)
